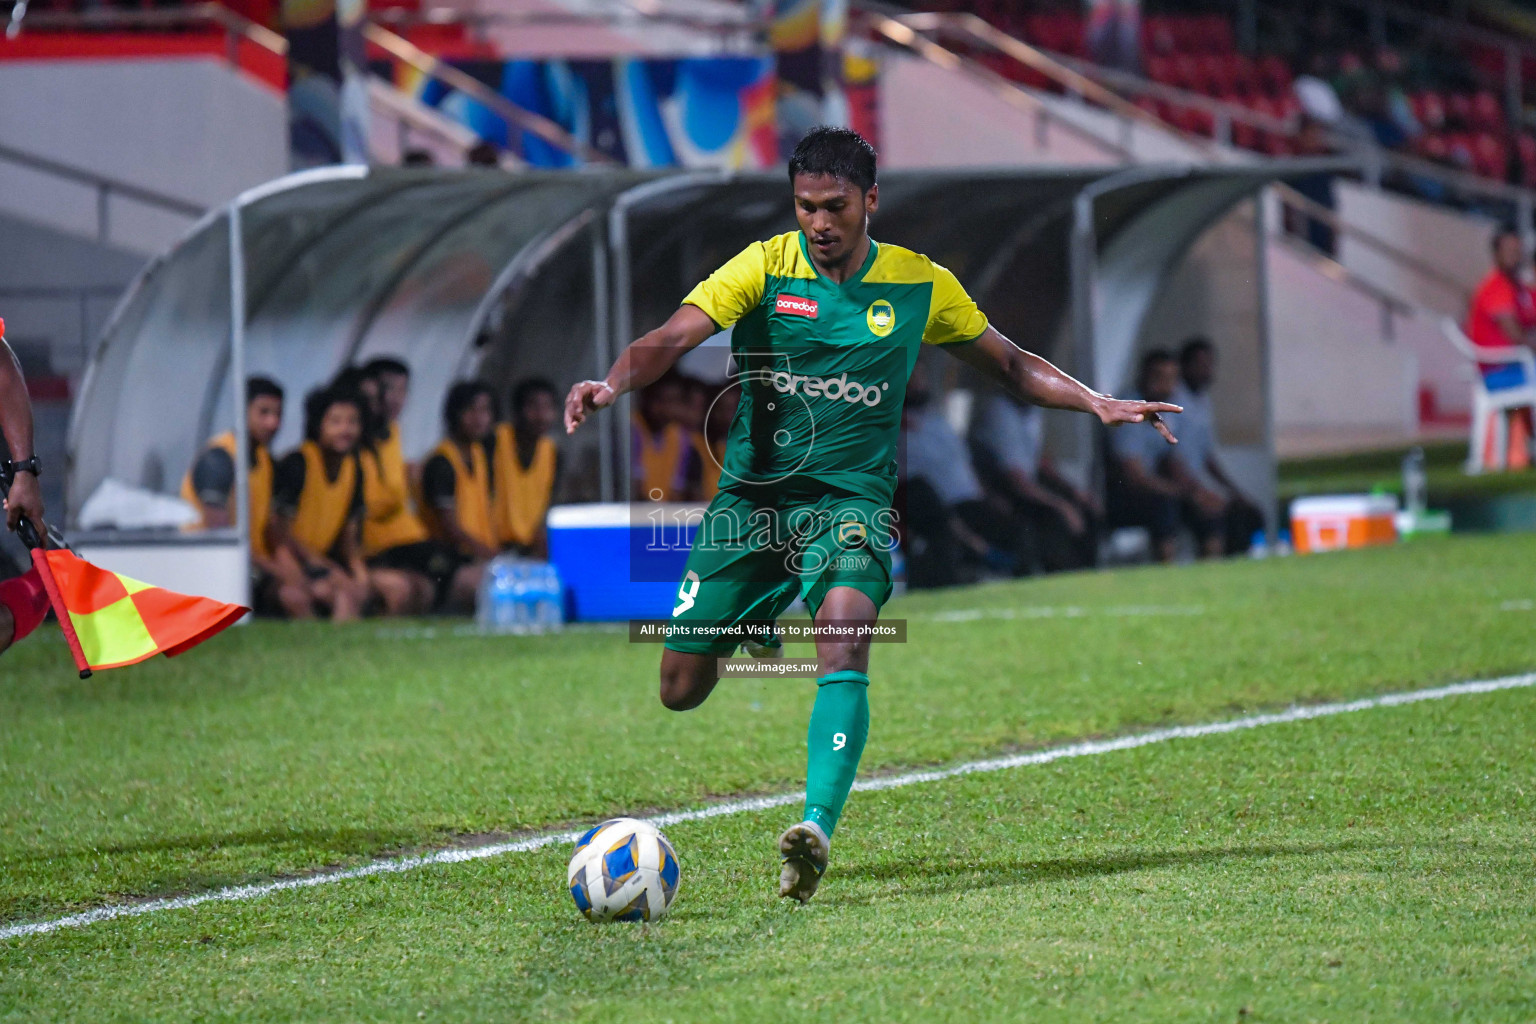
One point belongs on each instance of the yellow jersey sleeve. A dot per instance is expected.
(952, 314)
(734, 290)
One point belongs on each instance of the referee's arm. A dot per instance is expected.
(16, 427)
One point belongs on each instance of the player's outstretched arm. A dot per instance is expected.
(16, 425)
(1037, 381)
(643, 362)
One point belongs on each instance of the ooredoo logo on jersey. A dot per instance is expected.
(796, 305)
(830, 388)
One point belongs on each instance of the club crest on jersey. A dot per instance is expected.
(796, 305)
(881, 317)
(850, 533)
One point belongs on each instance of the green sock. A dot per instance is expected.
(834, 744)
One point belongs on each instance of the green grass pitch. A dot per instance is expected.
(1370, 866)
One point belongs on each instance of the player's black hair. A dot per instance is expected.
(386, 364)
(262, 387)
(840, 152)
(350, 382)
(319, 402)
(1192, 347)
(524, 390)
(460, 397)
(1151, 359)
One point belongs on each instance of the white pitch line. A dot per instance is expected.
(1047, 611)
(762, 803)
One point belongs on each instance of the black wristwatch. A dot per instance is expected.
(32, 465)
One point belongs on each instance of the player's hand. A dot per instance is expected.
(586, 397)
(1113, 411)
(26, 499)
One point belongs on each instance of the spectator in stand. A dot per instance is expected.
(663, 464)
(1312, 140)
(1502, 314)
(1142, 492)
(949, 518)
(1319, 101)
(526, 468)
(456, 488)
(1195, 460)
(210, 487)
(1008, 446)
(1393, 77)
(317, 510)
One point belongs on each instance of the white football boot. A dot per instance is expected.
(804, 849)
(764, 651)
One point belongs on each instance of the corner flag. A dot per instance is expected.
(111, 620)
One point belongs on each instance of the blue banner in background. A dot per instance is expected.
(676, 112)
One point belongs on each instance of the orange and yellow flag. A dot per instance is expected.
(112, 620)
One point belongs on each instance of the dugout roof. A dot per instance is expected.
(509, 274)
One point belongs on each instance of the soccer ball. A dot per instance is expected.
(623, 870)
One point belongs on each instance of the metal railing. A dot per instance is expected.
(908, 33)
(235, 27)
(1099, 86)
(238, 29)
(104, 187)
(1313, 210)
(516, 117)
(1379, 15)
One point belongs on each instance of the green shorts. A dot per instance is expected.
(753, 555)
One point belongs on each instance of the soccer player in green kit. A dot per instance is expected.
(828, 323)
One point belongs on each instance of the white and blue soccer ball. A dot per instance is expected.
(623, 870)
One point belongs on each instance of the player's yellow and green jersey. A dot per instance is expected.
(824, 366)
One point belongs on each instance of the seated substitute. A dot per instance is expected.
(948, 515)
(405, 566)
(210, 487)
(317, 510)
(1008, 447)
(663, 463)
(1197, 458)
(1143, 491)
(456, 489)
(526, 467)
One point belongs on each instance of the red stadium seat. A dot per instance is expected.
(1187, 73)
(1211, 33)
(1525, 145)
(1156, 36)
(1432, 146)
(1487, 113)
(1275, 74)
(1195, 120)
(1159, 68)
(1458, 110)
(1490, 157)
(1245, 135)
(1218, 73)
(1429, 109)
(1277, 145)
(1246, 70)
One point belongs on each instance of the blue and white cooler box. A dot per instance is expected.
(619, 560)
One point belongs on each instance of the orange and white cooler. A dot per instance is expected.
(1334, 522)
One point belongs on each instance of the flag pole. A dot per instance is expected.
(28, 534)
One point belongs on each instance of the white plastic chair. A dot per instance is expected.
(1492, 405)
